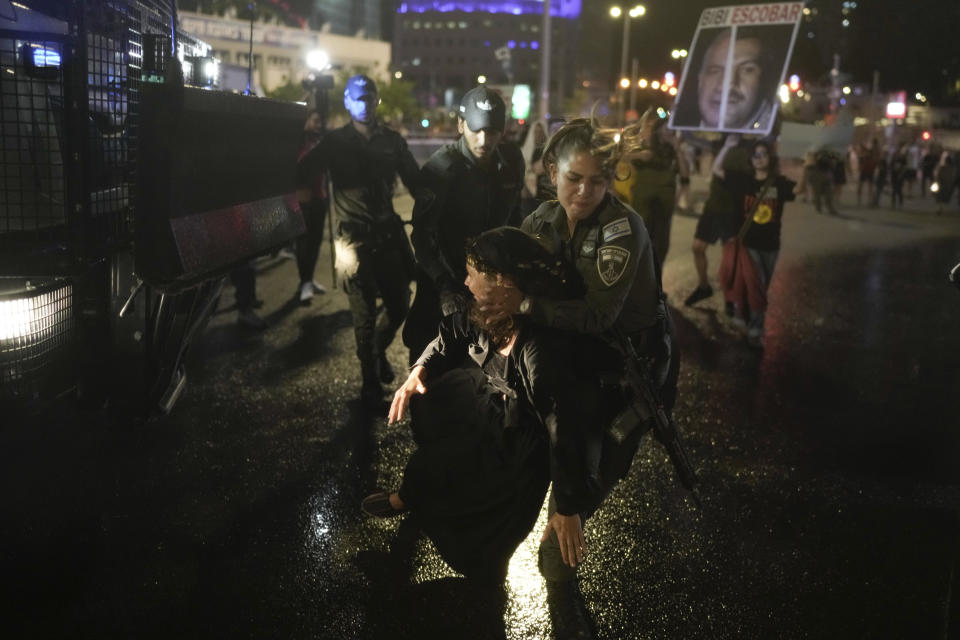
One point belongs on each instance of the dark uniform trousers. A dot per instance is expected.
(384, 270)
(610, 459)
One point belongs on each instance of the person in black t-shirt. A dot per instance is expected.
(749, 259)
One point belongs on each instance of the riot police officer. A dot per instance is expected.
(374, 257)
(467, 187)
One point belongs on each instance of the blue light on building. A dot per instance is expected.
(561, 8)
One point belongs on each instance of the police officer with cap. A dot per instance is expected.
(467, 187)
(373, 255)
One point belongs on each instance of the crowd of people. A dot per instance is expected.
(534, 284)
(537, 285)
(898, 170)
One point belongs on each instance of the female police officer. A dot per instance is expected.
(610, 247)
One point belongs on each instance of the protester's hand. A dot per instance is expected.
(573, 546)
(733, 139)
(499, 302)
(412, 385)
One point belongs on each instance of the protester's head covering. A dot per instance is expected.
(483, 108)
(510, 252)
(359, 86)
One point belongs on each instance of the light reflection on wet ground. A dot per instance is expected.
(830, 495)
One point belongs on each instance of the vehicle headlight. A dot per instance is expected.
(36, 333)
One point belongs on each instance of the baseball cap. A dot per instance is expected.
(359, 86)
(483, 108)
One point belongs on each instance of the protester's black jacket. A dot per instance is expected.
(541, 384)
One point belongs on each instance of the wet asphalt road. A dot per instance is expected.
(830, 485)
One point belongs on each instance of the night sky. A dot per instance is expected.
(912, 44)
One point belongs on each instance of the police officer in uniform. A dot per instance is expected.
(610, 247)
(467, 187)
(374, 257)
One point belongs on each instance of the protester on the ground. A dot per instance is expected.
(498, 411)
(467, 187)
(750, 257)
(374, 258)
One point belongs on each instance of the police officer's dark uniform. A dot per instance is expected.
(373, 253)
(613, 252)
(493, 434)
(459, 198)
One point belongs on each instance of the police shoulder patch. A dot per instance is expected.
(611, 263)
(616, 229)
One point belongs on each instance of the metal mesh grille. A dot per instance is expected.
(73, 170)
(36, 335)
(32, 186)
(108, 166)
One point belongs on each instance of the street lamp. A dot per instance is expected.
(635, 12)
(319, 82)
(318, 60)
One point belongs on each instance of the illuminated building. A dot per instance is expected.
(279, 52)
(442, 46)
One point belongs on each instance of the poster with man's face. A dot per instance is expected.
(737, 62)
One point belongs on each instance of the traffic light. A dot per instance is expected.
(926, 135)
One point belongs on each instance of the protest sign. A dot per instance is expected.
(738, 60)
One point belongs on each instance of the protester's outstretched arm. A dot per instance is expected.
(573, 545)
(731, 141)
(414, 385)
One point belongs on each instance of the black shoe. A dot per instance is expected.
(250, 320)
(378, 505)
(386, 371)
(702, 292)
